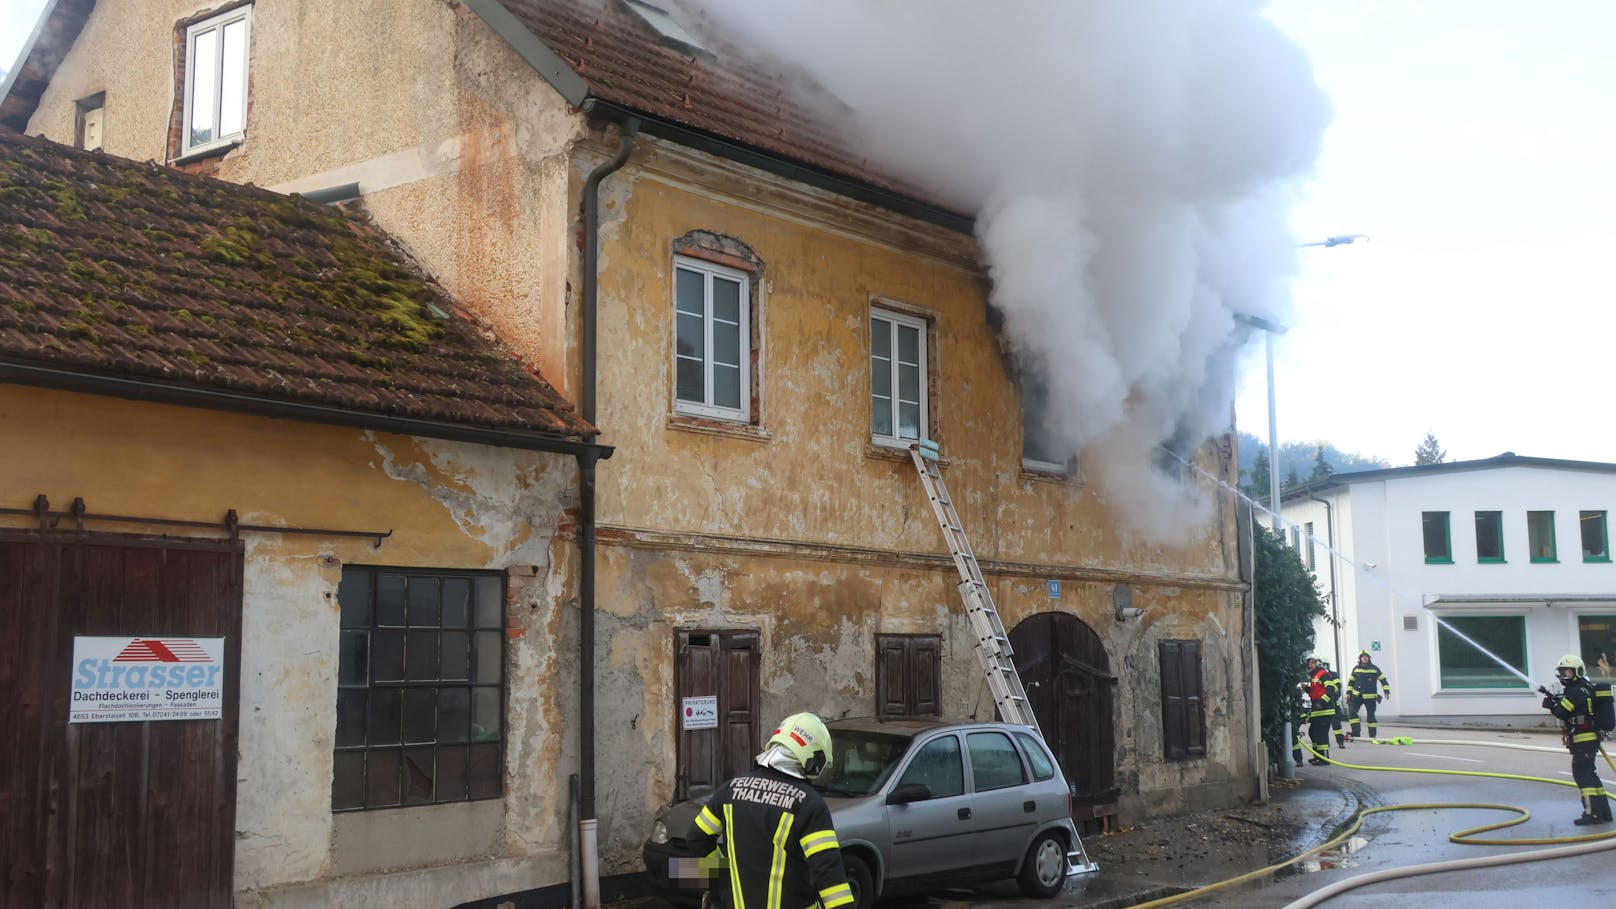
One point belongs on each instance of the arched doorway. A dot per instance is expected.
(1066, 672)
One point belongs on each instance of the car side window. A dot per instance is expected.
(995, 763)
(937, 765)
(1042, 767)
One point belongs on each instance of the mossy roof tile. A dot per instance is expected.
(116, 268)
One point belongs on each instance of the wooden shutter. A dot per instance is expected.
(908, 675)
(1183, 715)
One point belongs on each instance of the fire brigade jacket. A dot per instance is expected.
(1366, 681)
(779, 841)
(1574, 708)
(1323, 689)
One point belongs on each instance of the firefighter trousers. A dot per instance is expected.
(1595, 801)
(1369, 705)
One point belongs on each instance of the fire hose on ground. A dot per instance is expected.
(1564, 846)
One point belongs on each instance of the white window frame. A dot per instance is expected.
(241, 14)
(924, 328)
(706, 408)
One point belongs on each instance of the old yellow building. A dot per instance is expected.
(759, 328)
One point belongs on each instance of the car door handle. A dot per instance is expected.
(965, 814)
(1029, 806)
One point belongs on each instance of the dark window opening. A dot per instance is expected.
(1438, 545)
(1489, 536)
(420, 688)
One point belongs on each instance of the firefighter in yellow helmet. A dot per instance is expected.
(1324, 688)
(778, 837)
(1574, 708)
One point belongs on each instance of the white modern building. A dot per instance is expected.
(1510, 552)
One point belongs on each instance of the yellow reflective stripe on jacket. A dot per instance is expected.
(737, 895)
(777, 864)
(1579, 737)
(815, 843)
(708, 821)
(839, 895)
(1566, 703)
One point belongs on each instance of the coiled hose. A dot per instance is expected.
(1565, 845)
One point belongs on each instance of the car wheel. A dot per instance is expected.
(862, 881)
(1043, 871)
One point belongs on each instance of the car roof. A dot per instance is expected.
(916, 725)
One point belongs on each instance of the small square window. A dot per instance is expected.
(1489, 536)
(216, 81)
(1595, 536)
(1540, 536)
(89, 120)
(900, 375)
(1438, 543)
(712, 341)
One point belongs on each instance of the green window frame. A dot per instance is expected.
(1595, 529)
(1462, 667)
(1490, 537)
(1540, 543)
(1438, 538)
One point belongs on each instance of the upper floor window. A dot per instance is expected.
(1041, 449)
(898, 378)
(1438, 543)
(89, 121)
(216, 80)
(1540, 536)
(1595, 536)
(1312, 555)
(712, 335)
(1489, 536)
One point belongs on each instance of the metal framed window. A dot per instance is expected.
(712, 340)
(1312, 553)
(1595, 536)
(1438, 542)
(898, 378)
(1540, 543)
(1462, 666)
(1489, 536)
(420, 688)
(216, 52)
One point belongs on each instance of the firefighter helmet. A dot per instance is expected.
(1363, 655)
(808, 741)
(1573, 662)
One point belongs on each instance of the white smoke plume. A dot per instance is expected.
(1130, 163)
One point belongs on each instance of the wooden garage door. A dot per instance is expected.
(138, 814)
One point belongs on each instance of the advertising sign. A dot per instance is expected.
(700, 713)
(133, 680)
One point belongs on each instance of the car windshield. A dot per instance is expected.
(862, 762)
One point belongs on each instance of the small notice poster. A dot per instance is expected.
(134, 680)
(700, 713)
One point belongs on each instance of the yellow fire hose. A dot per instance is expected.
(1571, 845)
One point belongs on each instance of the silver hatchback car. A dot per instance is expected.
(920, 805)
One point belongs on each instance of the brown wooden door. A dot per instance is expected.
(722, 664)
(138, 814)
(1066, 672)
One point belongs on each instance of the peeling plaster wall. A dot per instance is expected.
(449, 505)
(798, 528)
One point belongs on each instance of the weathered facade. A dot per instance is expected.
(780, 539)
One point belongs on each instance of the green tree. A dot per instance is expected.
(1291, 479)
(1321, 467)
(1429, 452)
(1286, 603)
(1257, 488)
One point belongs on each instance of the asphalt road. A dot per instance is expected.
(1404, 838)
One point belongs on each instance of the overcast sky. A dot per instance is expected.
(1474, 141)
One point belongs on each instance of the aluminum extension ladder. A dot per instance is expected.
(992, 643)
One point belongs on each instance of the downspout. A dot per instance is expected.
(1335, 608)
(589, 850)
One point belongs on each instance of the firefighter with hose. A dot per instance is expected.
(778, 837)
(1575, 707)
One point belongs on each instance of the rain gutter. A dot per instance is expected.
(588, 857)
(251, 405)
(1329, 542)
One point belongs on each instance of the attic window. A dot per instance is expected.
(89, 121)
(672, 34)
